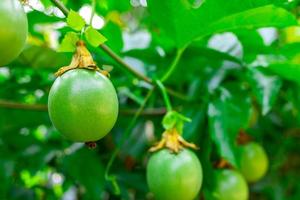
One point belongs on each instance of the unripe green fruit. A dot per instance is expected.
(13, 30)
(253, 161)
(83, 105)
(173, 176)
(229, 185)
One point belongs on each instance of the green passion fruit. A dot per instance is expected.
(174, 176)
(229, 185)
(13, 30)
(253, 161)
(83, 105)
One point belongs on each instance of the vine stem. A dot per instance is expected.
(93, 12)
(173, 65)
(165, 95)
(160, 84)
(119, 60)
(22, 106)
(61, 6)
(124, 137)
(44, 108)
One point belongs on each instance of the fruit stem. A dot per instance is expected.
(91, 145)
(173, 65)
(93, 12)
(165, 94)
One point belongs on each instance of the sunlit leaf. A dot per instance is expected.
(75, 21)
(265, 87)
(93, 37)
(68, 44)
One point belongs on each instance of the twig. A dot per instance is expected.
(145, 112)
(119, 60)
(61, 6)
(23, 106)
(173, 65)
(43, 108)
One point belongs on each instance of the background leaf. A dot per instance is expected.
(265, 88)
(183, 22)
(225, 121)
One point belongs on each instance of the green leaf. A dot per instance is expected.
(75, 21)
(89, 173)
(252, 42)
(68, 44)
(265, 87)
(39, 18)
(106, 7)
(285, 62)
(266, 16)
(286, 70)
(48, 58)
(183, 22)
(227, 115)
(93, 37)
(219, 134)
(46, 3)
(114, 36)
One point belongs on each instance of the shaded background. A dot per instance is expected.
(247, 74)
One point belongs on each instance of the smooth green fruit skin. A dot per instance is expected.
(174, 176)
(83, 105)
(254, 162)
(230, 185)
(13, 30)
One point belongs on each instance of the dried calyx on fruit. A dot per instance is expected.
(83, 103)
(82, 59)
(171, 138)
(166, 181)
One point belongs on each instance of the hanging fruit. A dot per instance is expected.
(83, 103)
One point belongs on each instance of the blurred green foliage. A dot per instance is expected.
(240, 70)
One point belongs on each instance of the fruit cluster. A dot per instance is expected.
(83, 106)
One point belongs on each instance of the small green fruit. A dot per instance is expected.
(229, 185)
(253, 161)
(173, 176)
